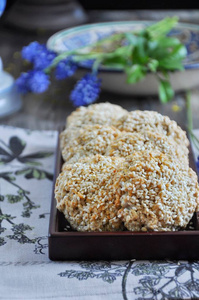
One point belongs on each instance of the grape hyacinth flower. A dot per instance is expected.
(38, 55)
(86, 90)
(31, 51)
(22, 83)
(38, 81)
(65, 68)
(44, 59)
(34, 81)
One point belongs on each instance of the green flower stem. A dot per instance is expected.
(57, 60)
(96, 65)
(79, 56)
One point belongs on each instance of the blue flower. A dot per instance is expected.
(43, 59)
(88, 63)
(38, 54)
(86, 90)
(38, 81)
(21, 83)
(33, 81)
(65, 68)
(29, 52)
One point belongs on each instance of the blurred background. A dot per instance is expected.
(57, 14)
(24, 21)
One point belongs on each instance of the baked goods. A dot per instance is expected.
(129, 142)
(84, 193)
(130, 173)
(86, 141)
(141, 121)
(155, 193)
(102, 113)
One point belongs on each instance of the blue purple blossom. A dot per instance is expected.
(65, 68)
(38, 55)
(86, 90)
(38, 81)
(29, 52)
(43, 59)
(21, 83)
(33, 81)
(88, 63)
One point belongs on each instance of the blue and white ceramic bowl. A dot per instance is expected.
(114, 80)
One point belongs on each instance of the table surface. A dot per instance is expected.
(49, 110)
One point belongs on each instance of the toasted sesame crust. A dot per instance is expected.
(141, 121)
(84, 193)
(129, 142)
(156, 194)
(101, 113)
(86, 141)
(125, 170)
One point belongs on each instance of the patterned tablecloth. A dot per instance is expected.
(26, 173)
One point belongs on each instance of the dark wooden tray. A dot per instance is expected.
(67, 244)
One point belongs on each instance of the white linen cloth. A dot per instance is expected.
(26, 170)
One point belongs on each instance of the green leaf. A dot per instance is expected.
(168, 42)
(139, 54)
(162, 27)
(135, 73)
(14, 198)
(171, 65)
(36, 173)
(24, 171)
(42, 175)
(173, 61)
(153, 65)
(32, 163)
(38, 155)
(2, 198)
(166, 92)
(158, 53)
(123, 51)
(131, 38)
(151, 47)
(117, 59)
